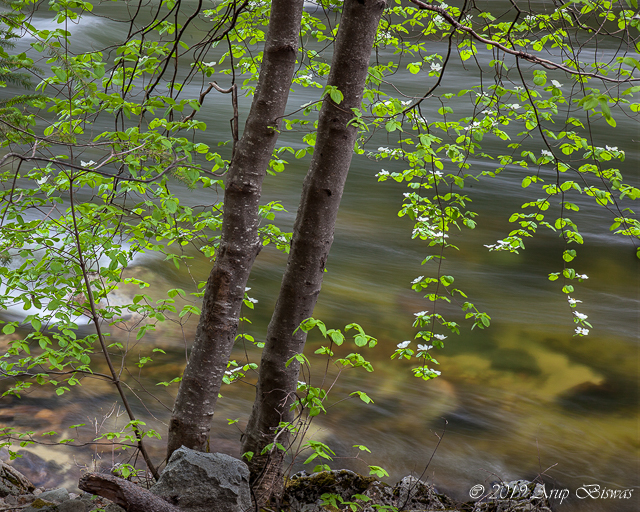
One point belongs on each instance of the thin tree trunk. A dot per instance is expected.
(312, 238)
(240, 243)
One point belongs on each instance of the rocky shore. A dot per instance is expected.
(203, 482)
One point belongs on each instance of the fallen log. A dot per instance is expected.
(124, 493)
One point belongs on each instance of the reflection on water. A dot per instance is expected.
(522, 399)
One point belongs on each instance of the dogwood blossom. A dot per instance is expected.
(425, 347)
(582, 331)
(421, 313)
(573, 302)
(417, 280)
(580, 316)
(404, 344)
(440, 337)
(499, 245)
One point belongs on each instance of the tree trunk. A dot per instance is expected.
(128, 495)
(312, 238)
(239, 243)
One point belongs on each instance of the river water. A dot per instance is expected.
(520, 399)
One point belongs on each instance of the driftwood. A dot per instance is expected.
(124, 493)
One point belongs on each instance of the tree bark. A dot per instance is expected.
(240, 242)
(124, 493)
(312, 237)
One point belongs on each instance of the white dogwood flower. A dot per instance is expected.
(404, 344)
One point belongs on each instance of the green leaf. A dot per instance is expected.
(446, 280)
(360, 340)
(363, 396)
(171, 205)
(377, 471)
(539, 77)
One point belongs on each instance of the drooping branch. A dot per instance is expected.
(234, 120)
(548, 64)
(115, 379)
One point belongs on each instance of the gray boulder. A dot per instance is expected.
(202, 482)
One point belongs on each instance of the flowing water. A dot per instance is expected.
(520, 399)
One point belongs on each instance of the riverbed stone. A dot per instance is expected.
(72, 506)
(40, 505)
(55, 495)
(414, 494)
(201, 482)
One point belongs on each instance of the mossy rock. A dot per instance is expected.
(12, 482)
(304, 492)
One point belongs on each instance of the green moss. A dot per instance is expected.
(40, 503)
(328, 479)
